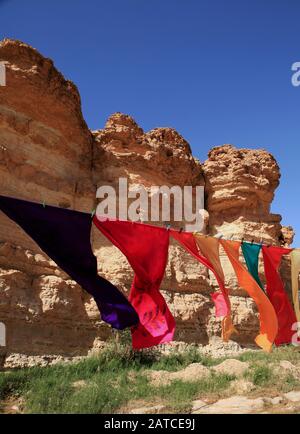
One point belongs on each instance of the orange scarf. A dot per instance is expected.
(209, 247)
(268, 318)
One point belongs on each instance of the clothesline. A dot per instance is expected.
(167, 225)
(276, 314)
(217, 236)
(64, 235)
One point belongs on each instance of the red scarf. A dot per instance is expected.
(146, 248)
(277, 295)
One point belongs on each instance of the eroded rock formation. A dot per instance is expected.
(48, 154)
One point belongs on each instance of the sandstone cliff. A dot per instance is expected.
(48, 154)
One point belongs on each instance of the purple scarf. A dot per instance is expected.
(64, 235)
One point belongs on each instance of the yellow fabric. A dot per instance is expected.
(268, 318)
(295, 262)
(210, 247)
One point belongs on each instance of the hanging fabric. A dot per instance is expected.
(210, 248)
(295, 263)
(210, 259)
(64, 235)
(277, 295)
(146, 248)
(251, 254)
(268, 318)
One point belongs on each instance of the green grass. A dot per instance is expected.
(116, 379)
(109, 383)
(265, 377)
(181, 394)
(290, 353)
(261, 375)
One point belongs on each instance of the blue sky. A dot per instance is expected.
(217, 71)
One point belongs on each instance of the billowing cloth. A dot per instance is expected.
(64, 235)
(251, 255)
(295, 260)
(146, 248)
(277, 295)
(210, 248)
(210, 258)
(268, 318)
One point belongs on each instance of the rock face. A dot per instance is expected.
(48, 154)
